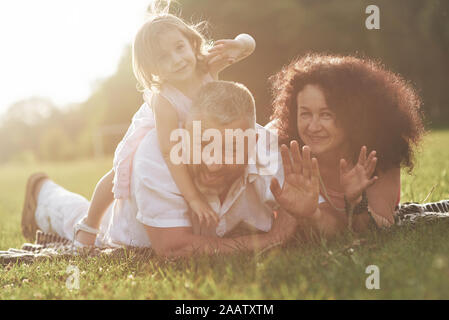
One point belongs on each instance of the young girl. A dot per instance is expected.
(171, 62)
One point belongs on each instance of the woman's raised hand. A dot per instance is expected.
(300, 192)
(354, 181)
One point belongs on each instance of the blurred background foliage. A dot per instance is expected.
(413, 40)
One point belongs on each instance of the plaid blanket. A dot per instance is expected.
(410, 213)
(50, 246)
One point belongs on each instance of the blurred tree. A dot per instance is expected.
(30, 111)
(56, 145)
(22, 124)
(114, 101)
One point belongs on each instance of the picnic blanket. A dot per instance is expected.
(50, 246)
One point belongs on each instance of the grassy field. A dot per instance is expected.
(413, 263)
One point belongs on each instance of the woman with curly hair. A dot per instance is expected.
(357, 124)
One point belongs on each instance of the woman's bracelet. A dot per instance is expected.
(361, 207)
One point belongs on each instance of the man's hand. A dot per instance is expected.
(300, 192)
(181, 241)
(354, 181)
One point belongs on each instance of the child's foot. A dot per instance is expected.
(85, 238)
(34, 184)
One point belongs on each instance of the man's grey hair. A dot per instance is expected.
(224, 102)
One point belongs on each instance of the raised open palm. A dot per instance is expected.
(355, 180)
(300, 191)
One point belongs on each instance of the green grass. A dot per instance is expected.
(413, 263)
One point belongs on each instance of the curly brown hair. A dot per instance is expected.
(374, 106)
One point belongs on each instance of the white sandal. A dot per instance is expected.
(82, 226)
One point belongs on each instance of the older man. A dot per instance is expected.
(156, 213)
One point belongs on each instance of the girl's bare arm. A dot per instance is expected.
(166, 122)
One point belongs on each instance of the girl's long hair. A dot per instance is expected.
(160, 20)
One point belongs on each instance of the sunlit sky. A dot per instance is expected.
(59, 48)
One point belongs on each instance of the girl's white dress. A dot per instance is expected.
(143, 121)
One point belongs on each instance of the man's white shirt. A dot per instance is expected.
(156, 201)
